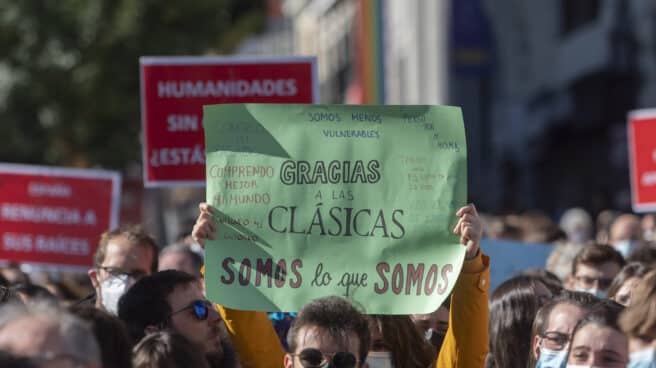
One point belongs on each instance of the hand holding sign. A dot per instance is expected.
(205, 226)
(470, 229)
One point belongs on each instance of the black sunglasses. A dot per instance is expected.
(201, 309)
(315, 358)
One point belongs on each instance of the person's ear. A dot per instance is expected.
(93, 276)
(288, 361)
(535, 347)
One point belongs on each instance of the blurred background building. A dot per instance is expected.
(545, 87)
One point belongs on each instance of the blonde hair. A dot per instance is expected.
(639, 320)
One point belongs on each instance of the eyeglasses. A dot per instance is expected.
(588, 282)
(315, 358)
(201, 309)
(555, 340)
(117, 272)
(5, 294)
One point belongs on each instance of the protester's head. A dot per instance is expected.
(625, 282)
(577, 224)
(548, 278)
(594, 269)
(328, 329)
(639, 320)
(123, 256)
(172, 300)
(645, 254)
(553, 326)
(14, 275)
(604, 220)
(48, 335)
(396, 342)
(625, 232)
(180, 257)
(8, 360)
(167, 349)
(433, 326)
(510, 332)
(30, 293)
(597, 340)
(111, 334)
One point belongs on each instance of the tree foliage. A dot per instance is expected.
(69, 70)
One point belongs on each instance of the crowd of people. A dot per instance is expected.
(592, 305)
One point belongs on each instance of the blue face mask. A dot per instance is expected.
(552, 358)
(625, 247)
(645, 358)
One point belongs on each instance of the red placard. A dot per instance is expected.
(642, 153)
(53, 215)
(174, 90)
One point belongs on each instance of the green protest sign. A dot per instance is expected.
(317, 200)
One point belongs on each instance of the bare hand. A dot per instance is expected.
(205, 227)
(470, 229)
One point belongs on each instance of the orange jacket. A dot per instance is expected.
(465, 344)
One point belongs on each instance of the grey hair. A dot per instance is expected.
(181, 248)
(77, 338)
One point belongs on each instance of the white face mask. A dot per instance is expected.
(551, 358)
(380, 359)
(601, 294)
(111, 291)
(645, 358)
(625, 247)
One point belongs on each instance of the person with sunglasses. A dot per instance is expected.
(257, 345)
(173, 300)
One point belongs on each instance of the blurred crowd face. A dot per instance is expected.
(125, 262)
(38, 339)
(594, 279)
(550, 349)
(649, 227)
(625, 292)
(433, 326)
(312, 340)
(14, 275)
(625, 232)
(203, 332)
(598, 346)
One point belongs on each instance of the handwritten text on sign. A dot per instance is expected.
(322, 200)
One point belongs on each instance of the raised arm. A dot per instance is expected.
(251, 333)
(466, 341)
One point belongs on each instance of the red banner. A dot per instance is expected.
(642, 153)
(54, 215)
(174, 90)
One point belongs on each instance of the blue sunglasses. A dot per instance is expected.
(201, 309)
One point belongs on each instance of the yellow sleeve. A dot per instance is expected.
(466, 342)
(254, 338)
